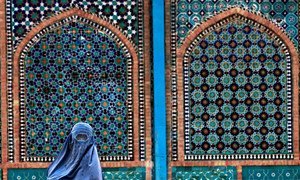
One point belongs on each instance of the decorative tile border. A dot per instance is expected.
(9, 57)
(142, 141)
(108, 173)
(22, 174)
(124, 173)
(174, 104)
(205, 172)
(271, 172)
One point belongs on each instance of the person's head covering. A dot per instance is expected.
(78, 159)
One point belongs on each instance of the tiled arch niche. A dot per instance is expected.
(242, 96)
(203, 133)
(86, 72)
(112, 41)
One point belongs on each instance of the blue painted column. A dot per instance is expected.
(160, 122)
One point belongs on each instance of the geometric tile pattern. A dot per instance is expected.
(27, 13)
(27, 174)
(76, 72)
(271, 172)
(124, 173)
(216, 172)
(190, 13)
(237, 84)
(108, 173)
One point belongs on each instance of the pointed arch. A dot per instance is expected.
(34, 35)
(219, 20)
(231, 12)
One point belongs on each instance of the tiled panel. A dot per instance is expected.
(124, 173)
(271, 172)
(108, 173)
(127, 19)
(226, 111)
(191, 13)
(76, 72)
(217, 172)
(236, 91)
(26, 14)
(27, 174)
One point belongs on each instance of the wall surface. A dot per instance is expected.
(63, 62)
(183, 89)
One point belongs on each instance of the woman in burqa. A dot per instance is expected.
(78, 160)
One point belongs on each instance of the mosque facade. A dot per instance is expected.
(174, 89)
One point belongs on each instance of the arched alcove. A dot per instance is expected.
(201, 60)
(75, 67)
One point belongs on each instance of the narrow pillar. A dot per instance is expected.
(160, 122)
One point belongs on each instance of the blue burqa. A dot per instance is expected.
(78, 160)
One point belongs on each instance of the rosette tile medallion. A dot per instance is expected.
(75, 71)
(237, 87)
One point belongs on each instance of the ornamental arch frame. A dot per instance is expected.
(15, 135)
(204, 27)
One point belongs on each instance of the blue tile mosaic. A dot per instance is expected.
(216, 172)
(237, 84)
(108, 173)
(76, 73)
(271, 172)
(193, 12)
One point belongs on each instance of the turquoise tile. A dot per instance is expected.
(217, 172)
(108, 173)
(271, 172)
